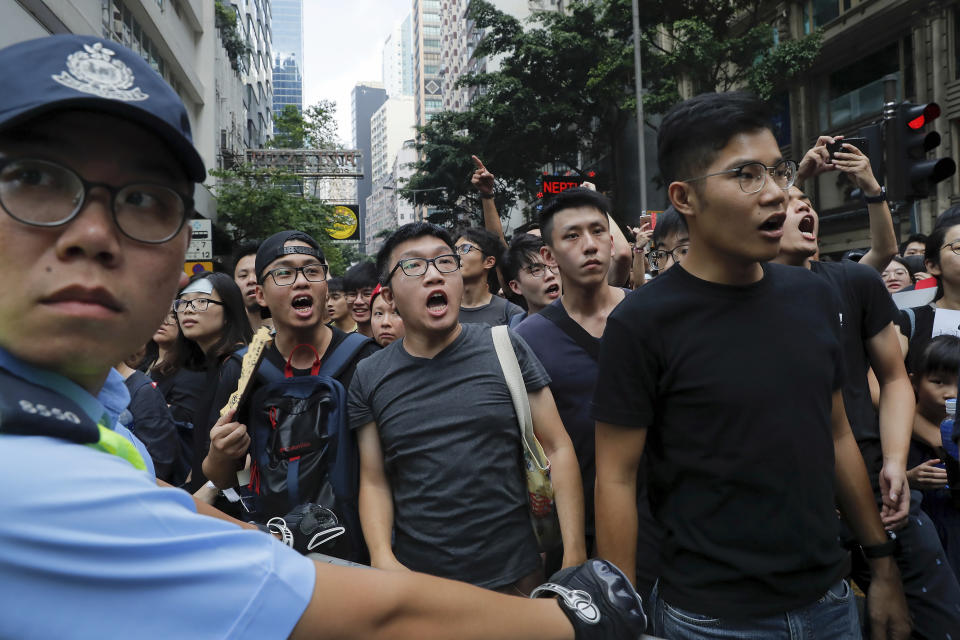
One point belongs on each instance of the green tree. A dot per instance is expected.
(253, 204)
(564, 92)
(316, 128)
(233, 41)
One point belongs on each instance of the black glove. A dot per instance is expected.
(599, 601)
(309, 527)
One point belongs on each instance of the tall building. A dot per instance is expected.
(365, 99)
(179, 38)
(287, 54)
(398, 60)
(426, 59)
(253, 21)
(390, 126)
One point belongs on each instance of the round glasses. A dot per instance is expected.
(753, 175)
(46, 194)
(198, 305)
(466, 247)
(415, 267)
(286, 276)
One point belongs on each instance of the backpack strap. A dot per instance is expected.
(574, 331)
(912, 317)
(344, 354)
(136, 381)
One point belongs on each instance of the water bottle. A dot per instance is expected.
(946, 430)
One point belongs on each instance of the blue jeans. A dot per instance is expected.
(832, 617)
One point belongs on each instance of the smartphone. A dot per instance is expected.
(860, 143)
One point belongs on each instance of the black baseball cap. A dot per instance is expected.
(272, 248)
(69, 71)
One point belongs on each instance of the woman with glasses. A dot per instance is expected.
(942, 257)
(897, 276)
(210, 313)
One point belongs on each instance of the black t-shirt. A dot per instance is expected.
(867, 309)
(735, 385)
(183, 390)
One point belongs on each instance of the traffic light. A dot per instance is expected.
(910, 175)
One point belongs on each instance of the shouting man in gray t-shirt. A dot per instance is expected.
(441, 483)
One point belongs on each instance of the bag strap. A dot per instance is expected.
(314, 368)
(518, 393)
(574, 331)
(912, 317)
(343, 355)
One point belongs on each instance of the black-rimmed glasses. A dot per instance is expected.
(198, 305)
(466, 247)
(658, 257)
(45, 194)
(753, 175)
(415, 267)
(540, 270)
(286, 276)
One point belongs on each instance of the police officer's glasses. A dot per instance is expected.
(753, 175)
(46, 194)
(286, 276)
(414, 267)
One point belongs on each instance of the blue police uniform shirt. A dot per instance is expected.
(92, 547)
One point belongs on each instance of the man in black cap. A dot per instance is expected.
(96, 172)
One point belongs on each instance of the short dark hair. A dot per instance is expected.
(244, 250)
(488, 242)
(236, 326)
(913, 237)
(948, 217)
(669, 222)
(695, 130)
(409, 231)
(526, 227)
(360, 276)
(335, 284)
(941, 355)
(519, 254)
(570, 199)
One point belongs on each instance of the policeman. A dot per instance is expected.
(97, 173)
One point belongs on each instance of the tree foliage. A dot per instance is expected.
(564, 91)
(253, 204)
(233, 41)
(316, 128)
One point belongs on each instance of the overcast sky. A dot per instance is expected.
(342, 45)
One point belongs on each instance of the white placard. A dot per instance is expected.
(946, 322)
(201, 242)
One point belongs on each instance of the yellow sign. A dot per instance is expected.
(191, 268)
(345, 225)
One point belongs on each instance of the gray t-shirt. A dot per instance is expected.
(452, 453)
(496, 312)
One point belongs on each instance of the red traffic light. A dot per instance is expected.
(930, 112)
(591, 174)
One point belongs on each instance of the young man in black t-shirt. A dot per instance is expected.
(869, 339)
(728, 372)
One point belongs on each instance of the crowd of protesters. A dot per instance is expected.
(744, 440)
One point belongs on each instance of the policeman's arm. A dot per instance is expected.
(564, 472)
(373, 605)
(376, 499)
(618, 452)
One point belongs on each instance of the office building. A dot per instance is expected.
(365, 99)
(287, 54)
(390, 128)
(398, 60)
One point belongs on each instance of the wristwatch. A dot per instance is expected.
(883, 550)
(882, 197)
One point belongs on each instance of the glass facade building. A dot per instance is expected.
(287, 26)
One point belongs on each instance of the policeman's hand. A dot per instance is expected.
(855, 164)
(889, 618)
(228, 438)
(599, 601)
(817, 159)
(927, 475)
(482, 180)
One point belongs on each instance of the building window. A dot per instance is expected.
(856, 91)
